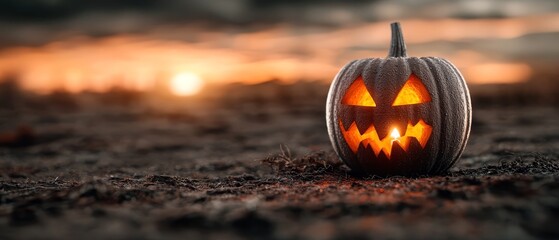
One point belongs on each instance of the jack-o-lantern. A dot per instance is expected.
(399, 115)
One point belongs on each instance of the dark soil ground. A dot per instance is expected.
(258, 169)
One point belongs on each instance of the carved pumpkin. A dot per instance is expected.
(399, 115)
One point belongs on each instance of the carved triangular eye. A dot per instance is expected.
(357, 95)
(413, 92)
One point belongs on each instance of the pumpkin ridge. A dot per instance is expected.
(422, 69)
(413, 64)
(406, 68)
(378, 71)
(330, 105)
(468, 108)
(374, 62)
(441, 94)
(457, 110)
(355, 67)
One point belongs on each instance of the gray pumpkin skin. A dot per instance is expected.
(448, 112)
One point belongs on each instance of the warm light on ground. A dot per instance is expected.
(186, 84)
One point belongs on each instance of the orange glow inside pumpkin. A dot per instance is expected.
(357, 95)
(420, 131)
(413, 92)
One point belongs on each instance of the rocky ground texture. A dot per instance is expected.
(260, 170)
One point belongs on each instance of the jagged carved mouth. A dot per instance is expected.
(420, 131)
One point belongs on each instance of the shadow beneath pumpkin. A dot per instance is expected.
(326, 165)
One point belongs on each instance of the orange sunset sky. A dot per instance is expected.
(486, 49)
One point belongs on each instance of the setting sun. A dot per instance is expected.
(186, 84)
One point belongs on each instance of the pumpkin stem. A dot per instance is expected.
(397, 45)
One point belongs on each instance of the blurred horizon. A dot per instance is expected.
(96, 46)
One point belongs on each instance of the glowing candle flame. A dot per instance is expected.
(395, 134)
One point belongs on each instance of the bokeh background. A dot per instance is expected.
(182, 47)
